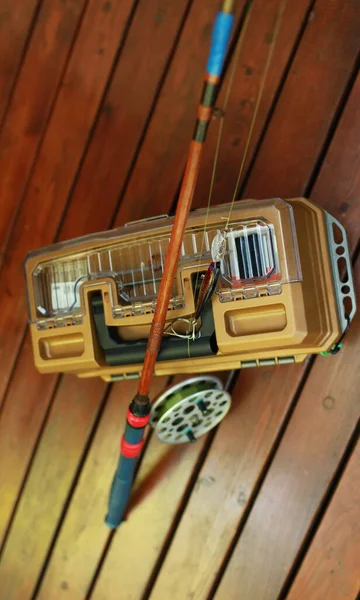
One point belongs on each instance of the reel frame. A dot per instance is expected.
(189, 409)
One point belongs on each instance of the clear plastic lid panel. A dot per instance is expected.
(258, 252)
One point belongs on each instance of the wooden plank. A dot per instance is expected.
(244, 92)
(46, 489)
(83, 535)
(100, 540)
(61, 150)
(163, 478)
(147, 566)
(15, 21)
(160, 162)
(123, 116)
(331, 565)
(195, 532)
(38, 82)
(103, 584)
(222, 489)
(299, 476)
(20, 422)
(313, 89)
(193, 553)
(53, 471)
(30, 393)
(340, 194)
(74, 562)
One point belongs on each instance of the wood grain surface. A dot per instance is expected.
(30, 393)
(16, 19)
(300, 474)
(38, 82)
(312, 93)
(331, 566)
(227, 482)
(97, 108)
(67, 132)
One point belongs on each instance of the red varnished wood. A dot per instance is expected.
(226, 483)
(15, 27)
(38, 82)
(292, 146)
(30, 393)
(189, 554)
(61, 150)
(331, 565)
(161, 159)
(245, 88)
(339, 193)
(309, 99)
(124, 114)
(299, 476)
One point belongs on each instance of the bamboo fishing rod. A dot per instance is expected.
(139, 410)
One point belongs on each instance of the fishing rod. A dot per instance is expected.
(91, 299)
(139, 410)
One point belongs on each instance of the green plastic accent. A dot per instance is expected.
(329, 351)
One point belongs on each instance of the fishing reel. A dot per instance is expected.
(188, 410)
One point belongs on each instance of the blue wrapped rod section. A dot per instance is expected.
(219, 43)
(123, 480)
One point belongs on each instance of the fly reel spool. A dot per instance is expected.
(189, 409)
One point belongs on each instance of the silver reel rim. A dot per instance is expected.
(173, 426)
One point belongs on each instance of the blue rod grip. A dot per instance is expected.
(123, 479)
(219, 43)
(120, 491)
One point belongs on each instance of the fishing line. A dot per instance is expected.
(221, 127)
(257, 105)
(276, 29)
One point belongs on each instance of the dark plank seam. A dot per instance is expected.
(127, 27)
(277, 443)
(72, 487)
(103, 403)
(29, 467)
(98, 113)
(276, 98)
(80, 165)
(333, 125)
(41, 139)
(207, 447)
(320, 512)
(261, 479)
(185, 499)
(151, 112)
(324, 503)
(226, 67)
(110, 538)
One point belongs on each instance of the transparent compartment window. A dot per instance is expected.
(259, 251)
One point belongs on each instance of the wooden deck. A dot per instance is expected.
(97, 106)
